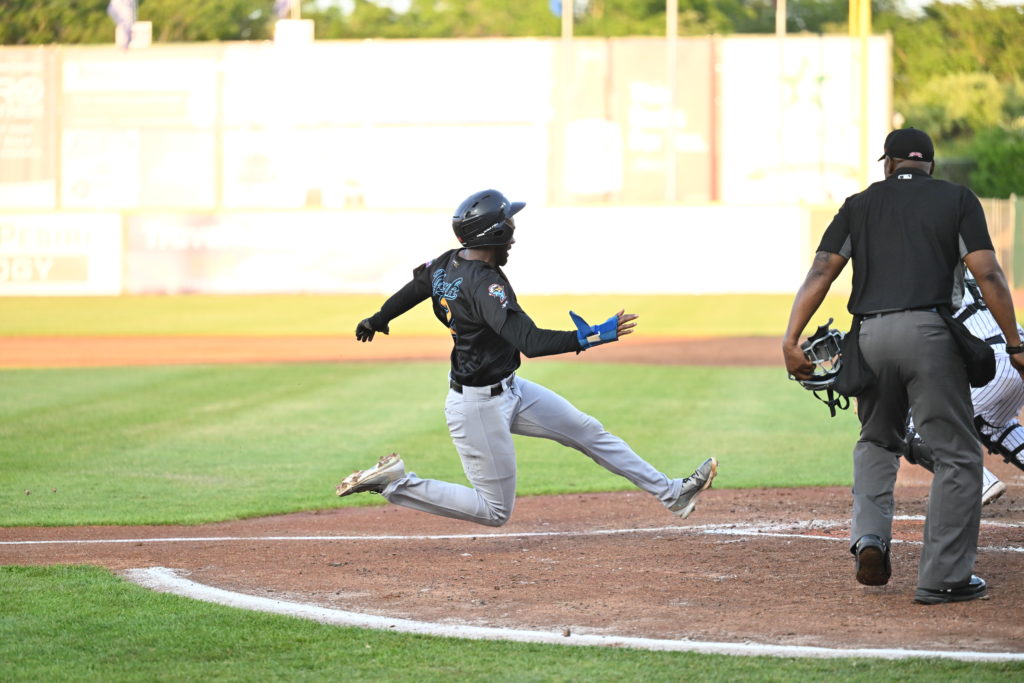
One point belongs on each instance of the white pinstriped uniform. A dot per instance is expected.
(999, 402)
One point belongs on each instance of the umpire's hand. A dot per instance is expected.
(796, 362)
(365, 330)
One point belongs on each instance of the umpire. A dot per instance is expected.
(907, 236)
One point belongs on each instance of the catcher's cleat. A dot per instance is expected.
(692, 486)
(992, 492)
(873, 565)
(388, 469)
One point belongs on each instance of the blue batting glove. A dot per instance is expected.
(595, 335)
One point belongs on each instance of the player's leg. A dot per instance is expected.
(1006, 441)
(545, 414)
(919, 453)
(997, 413)
(479, 427)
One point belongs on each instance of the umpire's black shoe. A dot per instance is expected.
(873, 566)
(974, 589)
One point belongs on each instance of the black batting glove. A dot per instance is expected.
(365, 330)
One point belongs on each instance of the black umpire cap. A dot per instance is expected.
(909, 143)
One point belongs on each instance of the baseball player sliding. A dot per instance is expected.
(487, 402)
(996, 405)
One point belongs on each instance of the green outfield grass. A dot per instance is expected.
(686, 316)
(190, 444)
(81, 623)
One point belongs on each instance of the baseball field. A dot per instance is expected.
(168, 513)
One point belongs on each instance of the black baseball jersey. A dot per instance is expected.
(906, 235)
(475, 301)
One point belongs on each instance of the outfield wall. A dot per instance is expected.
(645, 249)
(394, 124)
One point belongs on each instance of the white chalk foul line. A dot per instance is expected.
(387, 537)
(169, 581)
(767, 530)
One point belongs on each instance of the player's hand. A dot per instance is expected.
(1017, 361)
(365, 330)
(626, 323)
(796, 362)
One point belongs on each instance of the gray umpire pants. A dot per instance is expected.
(918, 367)
(482, 426)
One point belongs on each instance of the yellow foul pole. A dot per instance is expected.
(860, 29)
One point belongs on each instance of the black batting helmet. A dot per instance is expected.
(482, 219)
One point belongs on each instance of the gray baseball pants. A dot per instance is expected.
(919, 368)
(481, 426)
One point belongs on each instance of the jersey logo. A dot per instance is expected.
(498, 292)
(445, 290)
(906, 176)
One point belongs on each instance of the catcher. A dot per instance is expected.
(996, 405)
(487, 402)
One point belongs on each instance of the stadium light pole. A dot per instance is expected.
(671, 40)
(565, 72)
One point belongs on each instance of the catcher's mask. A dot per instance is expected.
(484, 219)
(824, 349)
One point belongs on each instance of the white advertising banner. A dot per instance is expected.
(28, 125)
(636, 250)
(60, 254)
(278, 251)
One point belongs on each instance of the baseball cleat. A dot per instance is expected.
(992, 492)
(388, 469)
(692, 486)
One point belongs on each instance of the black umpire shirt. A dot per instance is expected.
(907, 234)
(475, 301)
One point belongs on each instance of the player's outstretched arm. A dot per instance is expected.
(415, 291)
(610, 330)
(365, 329)
(626, 323)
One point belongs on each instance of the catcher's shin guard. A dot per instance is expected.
(995, 443)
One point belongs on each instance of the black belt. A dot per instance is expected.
(929, 309)
(995, 339)
(496, 389)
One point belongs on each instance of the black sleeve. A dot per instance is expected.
(973, 227)
(414, 291)
(837, 234)
(520, 331)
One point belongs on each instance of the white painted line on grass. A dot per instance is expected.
(169, 581)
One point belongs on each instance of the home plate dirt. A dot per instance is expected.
(769, 566)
